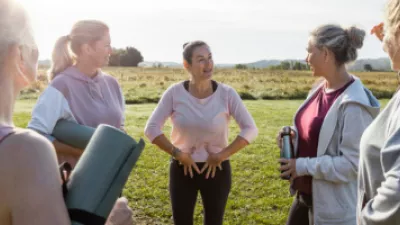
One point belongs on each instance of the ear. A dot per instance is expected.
(15, 57)
(326, 54)
(86, 49)
(186, 64)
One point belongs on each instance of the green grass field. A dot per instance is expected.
(258, 195)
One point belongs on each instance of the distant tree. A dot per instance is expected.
(158, 65)
(115, 57)
(285, 65)
(290, 65)
(297, 66)
(240, 66)
(131, 57)
(368, 67)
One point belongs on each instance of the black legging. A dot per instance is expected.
(214, 193)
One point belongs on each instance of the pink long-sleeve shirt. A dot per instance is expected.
(200, 124)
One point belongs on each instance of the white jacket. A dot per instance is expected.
(335, 169)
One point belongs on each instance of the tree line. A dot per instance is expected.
(285, 65)
(128, 56)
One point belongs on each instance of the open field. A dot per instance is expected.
(145, 85)
(258, 195)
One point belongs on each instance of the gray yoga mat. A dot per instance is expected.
(73, 134)
(103, 169)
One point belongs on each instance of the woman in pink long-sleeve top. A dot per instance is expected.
(200, 111)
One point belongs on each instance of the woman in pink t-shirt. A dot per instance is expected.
(327, 131)
(79, 91)
(200, 110)
(30, 187)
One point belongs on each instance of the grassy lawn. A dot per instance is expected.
(258, 195)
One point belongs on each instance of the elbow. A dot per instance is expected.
(151, 133)
(147, 132)
(254, 133)
(249, 133)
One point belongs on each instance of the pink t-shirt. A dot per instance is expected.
(198, 124)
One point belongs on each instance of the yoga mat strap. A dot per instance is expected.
(65, 166)
(85, 217)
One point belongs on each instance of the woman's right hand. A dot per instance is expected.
(186, 160)
(279, 137)
(378, 31)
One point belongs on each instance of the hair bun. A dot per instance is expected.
(356, 36)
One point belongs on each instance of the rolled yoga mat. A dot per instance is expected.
(100, 174)
(73, 134)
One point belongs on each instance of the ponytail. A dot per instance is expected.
(61, 58)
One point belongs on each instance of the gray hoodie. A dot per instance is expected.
(335, 168)
(379, 171)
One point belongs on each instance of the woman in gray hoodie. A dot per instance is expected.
(379, 172)
(327, 131)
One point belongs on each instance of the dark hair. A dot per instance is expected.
(188, 49)
(343, 42)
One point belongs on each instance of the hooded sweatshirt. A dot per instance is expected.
(379, 172)
(76, 97)
(334, 170)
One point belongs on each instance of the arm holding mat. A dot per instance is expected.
(103, 169)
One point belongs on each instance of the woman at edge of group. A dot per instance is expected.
(30, 191)
(200, 110)
(327, 131)
(379, 172)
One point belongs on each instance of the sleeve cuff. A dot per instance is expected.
(301, 166)
(152, 135)
(249, 134)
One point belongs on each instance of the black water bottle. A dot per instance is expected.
(286, 151)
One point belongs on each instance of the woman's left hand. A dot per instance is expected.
(289, 167)
(213, 161)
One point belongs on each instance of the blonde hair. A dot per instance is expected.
(15, 28)
(68, 46)
(343, 42)
(392, 17)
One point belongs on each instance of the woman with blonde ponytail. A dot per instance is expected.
(30, 188)
(79, 91)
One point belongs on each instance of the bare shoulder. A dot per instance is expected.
(25, 139)
(26, 145)
(28, 167)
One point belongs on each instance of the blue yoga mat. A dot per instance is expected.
(103, 169)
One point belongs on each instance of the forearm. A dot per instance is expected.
(64, 149)
(234, 147)
(164, 144)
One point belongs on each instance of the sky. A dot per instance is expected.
(238, 31)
